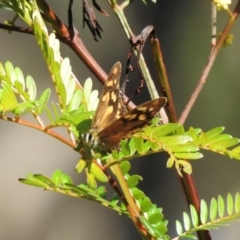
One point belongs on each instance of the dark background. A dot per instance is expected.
(184, 30)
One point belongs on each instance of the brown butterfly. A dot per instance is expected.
(111, 121)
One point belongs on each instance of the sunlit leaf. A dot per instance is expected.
(137, 193)
(133, 180)
(80, 165)
(10, 71)
(213, 209)
(221, 206)
(186, 221)
(214, 132)
(229, 204)
(186, 166)
(184, 148)
(87, 89)
(97, 172)
(43, 100)
(31, 86)
(93, 101)
(8, 99)
(155, 218)
(194, 216)
(125, 167)
(190, 156)
(179, 227)
(70, 88)
(20, 77)
(204, 212)
(145, 204)
(75, 101)
(165, 129)
(176, 140)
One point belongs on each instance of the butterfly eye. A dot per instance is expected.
(91, 140)
(88, 138)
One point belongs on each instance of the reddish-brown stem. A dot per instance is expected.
(192, 198)
(131, 211)
(38, 127)
(187, 181)
(16, 29)
(163, 78)
(72, 38)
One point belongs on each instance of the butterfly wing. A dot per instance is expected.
(110, 104)
(130, 122)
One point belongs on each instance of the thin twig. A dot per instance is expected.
(40, 128)
(209, 64)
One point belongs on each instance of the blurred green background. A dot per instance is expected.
(184, 29)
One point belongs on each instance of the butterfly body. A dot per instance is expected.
(111, 121)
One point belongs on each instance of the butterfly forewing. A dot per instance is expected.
(109, 106)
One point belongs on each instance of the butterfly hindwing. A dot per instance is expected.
(130, 122)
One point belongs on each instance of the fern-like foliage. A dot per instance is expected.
(75, 102)
(181, 145)
(213, 218)
(152, 217)
(62, 183)
(13, 87)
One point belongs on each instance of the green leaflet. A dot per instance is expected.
(31, 87)
(175, 140)
(215, 214)
(125, 167)
(19, 79)
(25, 107)
(204, 212)
(165, 129)
(93, 101)
(133, 180)
(145, 204)
(8, 101)
(68, 82)
(87, 89)
(10, 73)
(214, 132)
(13, 86)
(194, 216)
(43, 101)
(189, 156)
(137, 193)
(141, 146)
(97, 172)
(213, 209)
(75, 101)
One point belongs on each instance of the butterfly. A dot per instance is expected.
(112, 122)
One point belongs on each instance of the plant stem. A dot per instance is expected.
(209, 64)
(40, 128)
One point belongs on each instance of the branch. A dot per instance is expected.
(214, 52)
